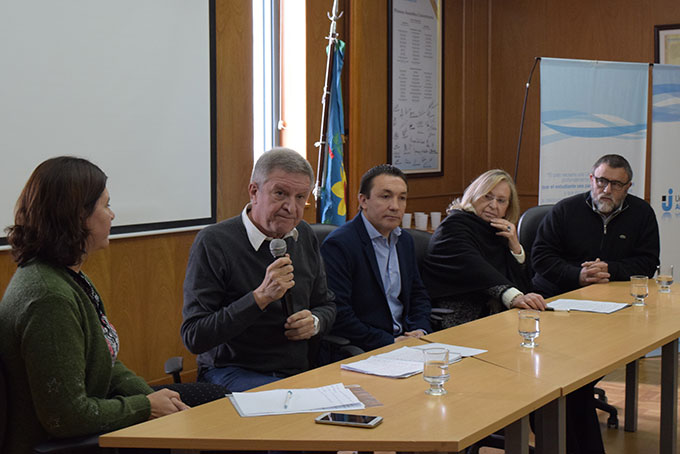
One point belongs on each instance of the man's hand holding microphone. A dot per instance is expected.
(278, 280)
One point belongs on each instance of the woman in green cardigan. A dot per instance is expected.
(57, 346)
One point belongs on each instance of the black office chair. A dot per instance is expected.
(527, 228)
(338, 344)
(421, 243)
(65, 445)
(193, 394)
(526, 231)
(321, 231)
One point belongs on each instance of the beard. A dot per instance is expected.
(605, 206)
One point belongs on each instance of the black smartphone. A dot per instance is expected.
(344, 419)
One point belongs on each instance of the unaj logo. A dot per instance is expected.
(667, 200)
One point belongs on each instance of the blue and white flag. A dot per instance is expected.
(333, 193)
(665, 166)
(589, 109)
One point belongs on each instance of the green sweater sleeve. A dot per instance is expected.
(127, 383)
(74, 386)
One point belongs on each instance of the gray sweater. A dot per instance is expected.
(223, 324)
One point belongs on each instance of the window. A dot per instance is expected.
(279, 75)
(265, 75)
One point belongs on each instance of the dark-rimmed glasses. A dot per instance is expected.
(602, 183)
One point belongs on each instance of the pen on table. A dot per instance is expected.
(289, 394)
(552, 309)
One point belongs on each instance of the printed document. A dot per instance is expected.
(303, 400)
(405, 361)
(602, 307)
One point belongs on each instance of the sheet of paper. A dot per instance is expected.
(602, 307)
(385, 367)
(273, 402)
(414, 354)
(462, 351)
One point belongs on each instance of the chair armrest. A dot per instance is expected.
(342, 345)
(173, 366)
(335, 340)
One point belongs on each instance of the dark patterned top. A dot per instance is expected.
(110, 334)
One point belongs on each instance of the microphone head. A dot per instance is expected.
(278, 247)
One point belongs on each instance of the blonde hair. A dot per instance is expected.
(484, 184)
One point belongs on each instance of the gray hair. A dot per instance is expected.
(285, 159)
(614, 161)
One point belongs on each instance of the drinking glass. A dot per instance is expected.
(639, 289)
(664, 278)
(529, 327)
(436, 370)
(406, 221)
(421, 220)
(435, 219)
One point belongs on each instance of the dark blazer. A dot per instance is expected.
(363, 314)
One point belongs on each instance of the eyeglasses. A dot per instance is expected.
(602, 183)
(490, 198)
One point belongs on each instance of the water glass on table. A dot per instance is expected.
(436, 370)
(529, 327)
(639, 289)
(664, 278)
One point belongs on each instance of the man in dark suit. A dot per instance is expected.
(371, 267)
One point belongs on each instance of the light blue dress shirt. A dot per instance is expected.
(388, 264)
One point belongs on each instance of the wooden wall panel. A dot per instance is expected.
(368, 115)
(234, 104)
(453, 181)
(7, 269)
(517, 37)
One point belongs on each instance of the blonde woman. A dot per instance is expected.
(475, 262)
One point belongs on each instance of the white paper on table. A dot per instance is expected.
(415, 354)
(385, 367)
(462, 351)
(303, 400)
(601, 307)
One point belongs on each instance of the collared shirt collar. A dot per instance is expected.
(373, 232)
(256, 237)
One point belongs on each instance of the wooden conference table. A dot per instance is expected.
(482, 398)
(494, 390)
(576, 348)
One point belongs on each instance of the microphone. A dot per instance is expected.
(278, 248)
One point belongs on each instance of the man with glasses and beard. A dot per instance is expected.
(599, 236)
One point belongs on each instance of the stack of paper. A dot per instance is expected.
(394, 368)
(406, 361)
(305, 400)
(602, 307)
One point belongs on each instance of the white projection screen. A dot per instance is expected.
(127, 84)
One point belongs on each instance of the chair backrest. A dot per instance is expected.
(421, 241)
(527, 228)
(322, 230)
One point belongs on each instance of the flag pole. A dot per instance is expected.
(321, 144)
